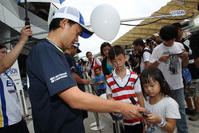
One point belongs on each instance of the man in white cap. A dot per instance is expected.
(55, 98)
(157, 38)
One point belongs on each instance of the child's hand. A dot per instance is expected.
(183, 55)
(153, 118)
(164, 58)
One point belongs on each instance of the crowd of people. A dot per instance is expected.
(153, 76)
(163, 54)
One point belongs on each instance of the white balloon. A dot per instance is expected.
(105, 22)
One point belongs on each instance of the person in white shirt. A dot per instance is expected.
(11, 120)
(90, 67)
(145, 52)
(169, 57)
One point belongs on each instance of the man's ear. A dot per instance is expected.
(63, 23)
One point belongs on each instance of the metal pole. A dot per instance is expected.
(141, 18)
(117, 126)
(23, 104)
(26, 11)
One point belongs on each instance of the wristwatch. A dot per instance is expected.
(158, 61)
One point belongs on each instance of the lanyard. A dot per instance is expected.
(54, 45)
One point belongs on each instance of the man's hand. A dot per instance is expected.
(86, 81)
(131, 111)
(25, 32)
(185, 58)
(164, 58)
(184, 55)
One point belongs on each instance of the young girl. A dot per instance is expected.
(162, 110)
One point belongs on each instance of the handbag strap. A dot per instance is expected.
(92, 63)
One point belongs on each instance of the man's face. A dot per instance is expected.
(169, 43)
(73, 51)
(158, 39)
(89, 56)
(137, 47)
(71, 34)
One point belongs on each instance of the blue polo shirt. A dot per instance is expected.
(74, 68)
(49, 74)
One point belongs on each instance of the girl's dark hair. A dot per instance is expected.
(104, 45)
(55, 23)
(168, 32)
(153, 73)
(115, 51)
(2, 46)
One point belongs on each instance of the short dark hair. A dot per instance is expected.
(148, 40)
(168, 32)
(138, 41)
(115, 51)
(55, 23)
(177, 25)
(104, 44)
(97, 68)
(88, 53)
(2, 46)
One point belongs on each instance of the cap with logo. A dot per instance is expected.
(77, 46)
(73, 14)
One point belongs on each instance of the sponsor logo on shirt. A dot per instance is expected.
(58, 77)
(12, 71)
(11, 91)
(9, 83)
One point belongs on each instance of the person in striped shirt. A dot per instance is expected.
(123, 83)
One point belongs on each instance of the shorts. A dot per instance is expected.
(19, 127)
(192, 89)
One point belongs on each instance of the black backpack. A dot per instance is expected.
(145, 50)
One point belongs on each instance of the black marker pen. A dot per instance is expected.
(135, 103)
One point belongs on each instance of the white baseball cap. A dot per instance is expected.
(156, 34)
(74, 15)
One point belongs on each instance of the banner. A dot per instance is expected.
(14, 74)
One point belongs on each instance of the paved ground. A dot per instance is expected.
(105, 118)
